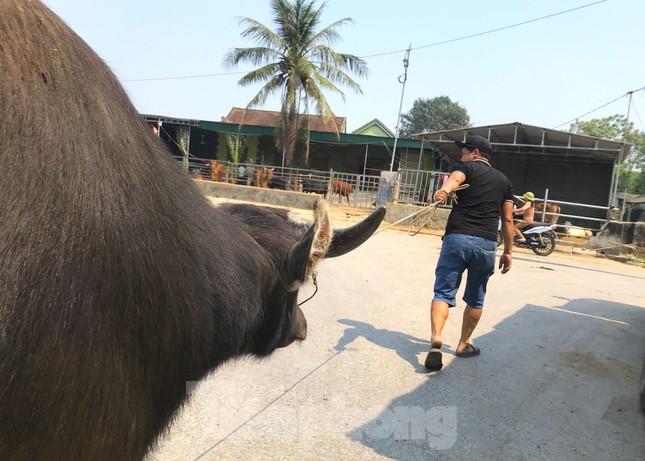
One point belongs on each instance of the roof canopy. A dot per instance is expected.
(631, 198)
(253, 130)
(521, 139)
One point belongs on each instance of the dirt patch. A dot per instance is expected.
(591, 365)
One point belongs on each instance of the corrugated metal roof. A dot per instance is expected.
(631, 198)
(513, 137)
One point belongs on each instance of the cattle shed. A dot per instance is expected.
(347, 152)
(574, 167)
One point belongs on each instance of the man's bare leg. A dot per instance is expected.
(518, 230)
(438, 316)
(518, 234)
(469, 322)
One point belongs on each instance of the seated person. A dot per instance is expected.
(528, 214)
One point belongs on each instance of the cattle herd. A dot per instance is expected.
(117, 290)
(264, 177)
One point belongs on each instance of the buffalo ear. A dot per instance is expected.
(312, 247)
(294, 268)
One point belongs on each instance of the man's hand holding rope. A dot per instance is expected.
(456, 179)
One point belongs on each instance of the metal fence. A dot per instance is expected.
(416, 187)
(572, 215)
(354, 190)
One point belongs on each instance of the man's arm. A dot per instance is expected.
(523, 208)
(456, 179)
(507, 231)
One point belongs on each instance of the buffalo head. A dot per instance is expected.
(293, 249)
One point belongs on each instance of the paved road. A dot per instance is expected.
(562, 339)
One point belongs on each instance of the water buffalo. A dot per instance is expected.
(119, 282)
(342, 188)
(279, 182)
(314, 185)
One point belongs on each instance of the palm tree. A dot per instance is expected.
(297, 62)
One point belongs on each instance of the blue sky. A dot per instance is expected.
(543, 73)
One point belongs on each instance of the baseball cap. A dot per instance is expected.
(475, 141)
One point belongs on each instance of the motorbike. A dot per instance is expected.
(540, 238)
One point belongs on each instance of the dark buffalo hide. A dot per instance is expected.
(119, 282)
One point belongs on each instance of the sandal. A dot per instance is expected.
(470, 351)
(434, 359)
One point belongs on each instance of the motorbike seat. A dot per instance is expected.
(534, 225)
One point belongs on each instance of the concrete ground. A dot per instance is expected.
(562, 340)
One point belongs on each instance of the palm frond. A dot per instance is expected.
(343, 61)
(330, 33)
(283, 17)
(255, 56)
(261, 34)
(339, 77)
(271, 87)
(326, 84)
(322, 106)
(261, 74)
(309, 19)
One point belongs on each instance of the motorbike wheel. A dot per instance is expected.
(549, 245)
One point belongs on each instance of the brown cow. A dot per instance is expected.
(550, 208)
(342, 188)
(218, 170)
(262, 176)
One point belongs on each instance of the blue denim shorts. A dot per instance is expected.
(461, 252)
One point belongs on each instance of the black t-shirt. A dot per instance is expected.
(479, 207)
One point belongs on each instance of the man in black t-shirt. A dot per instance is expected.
(470, 242)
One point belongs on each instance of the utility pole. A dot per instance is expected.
(622, 150)
(402, 80)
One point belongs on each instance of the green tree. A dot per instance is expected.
(434, 114)
(296, 62)
(236, 146)
(616, 127)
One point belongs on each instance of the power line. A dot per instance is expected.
(183, 77)
(638, 115)
(591, 111)
(599, 107)
(490, 31)
(429, 45)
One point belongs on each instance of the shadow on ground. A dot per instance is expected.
(407, 347)
(551, 383)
